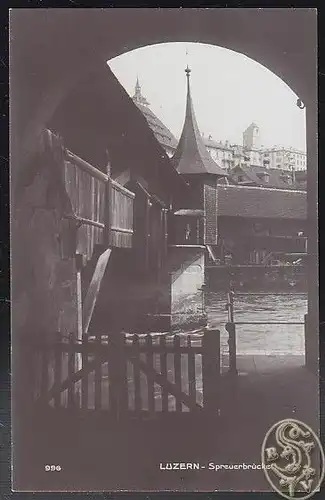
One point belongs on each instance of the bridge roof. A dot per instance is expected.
(98, 117)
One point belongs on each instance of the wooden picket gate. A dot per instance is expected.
(133, 375)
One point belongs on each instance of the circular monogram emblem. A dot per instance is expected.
(293, 459)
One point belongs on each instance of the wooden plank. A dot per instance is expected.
(121, 230)
(122, 189)
(113, 386)
(98, 375)
(109, 211)
(85, 166)
(164, 373)
(123, 384)
(117, 383)
(210, 252)
(84, 380)
(94, 287)
(45, 372)
(79, 266)
(134, 357)
(150, 380)
(177, 366)
(57, 368)
(147, 234)
(191, 371)
(71, 370)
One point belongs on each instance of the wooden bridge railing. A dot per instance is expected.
(121, 215)
(231, 328)
(103, 207)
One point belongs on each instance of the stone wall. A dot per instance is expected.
(43, 269)
(186, 282)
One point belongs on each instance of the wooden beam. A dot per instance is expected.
(210, 252)
(94, 287)
(85, 166)
(79, 265)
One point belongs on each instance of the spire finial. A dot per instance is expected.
(187, 71)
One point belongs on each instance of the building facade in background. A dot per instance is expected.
(285, 158)
(249, 163)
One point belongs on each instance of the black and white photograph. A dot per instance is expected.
(164, 250)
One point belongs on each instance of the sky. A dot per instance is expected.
(229, 91)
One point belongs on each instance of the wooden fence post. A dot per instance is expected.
(73, 392)
(45, 365)
(108, 212)
(121, 368)
(211, 370)
(118, 376)
(57, 368)
(148, 235)
(79, 336)
(310, 361)
(231, 329)
(108, 203)
(230, 306)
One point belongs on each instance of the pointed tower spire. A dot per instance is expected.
(138, 97)
(137, 87)
(191, 155)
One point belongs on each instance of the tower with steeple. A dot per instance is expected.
(138, 97)
(161, 132)
(194, 162)
(191, 157)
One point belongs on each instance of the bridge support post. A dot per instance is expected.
(311, 348)
(211, 371)
(231, 329)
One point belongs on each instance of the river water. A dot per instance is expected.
(251, 339)
(261, 339)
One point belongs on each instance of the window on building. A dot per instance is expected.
(240, 178)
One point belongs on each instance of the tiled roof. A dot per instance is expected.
(211, 143)
(244, 201)
(191, 156)
(161, 132)
(276, 176)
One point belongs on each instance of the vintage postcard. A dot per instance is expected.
(164, 250)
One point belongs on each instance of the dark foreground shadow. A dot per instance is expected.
(99, 454)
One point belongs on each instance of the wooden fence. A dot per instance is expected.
(133, 375)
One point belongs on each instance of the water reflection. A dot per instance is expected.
(261, 339)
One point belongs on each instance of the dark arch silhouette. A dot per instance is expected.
(52, 49)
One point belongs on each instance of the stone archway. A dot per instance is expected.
(51, 49)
